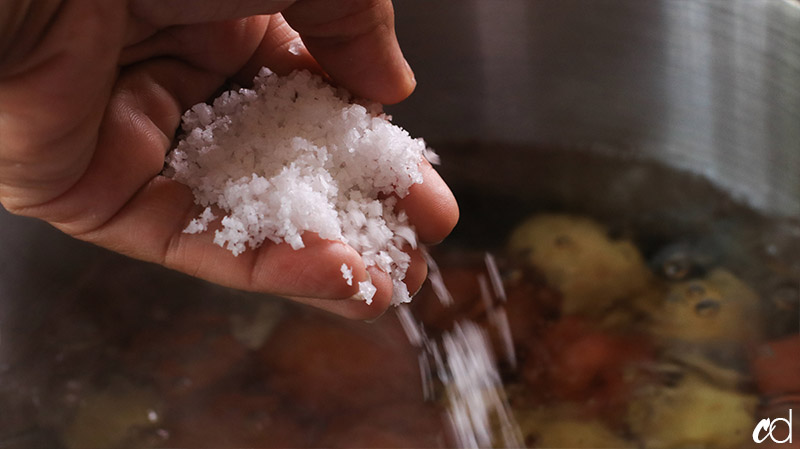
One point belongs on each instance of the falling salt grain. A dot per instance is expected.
(428, 390)
(410, 326)
(499, 319)
(475, 391)
(437, 282)
(494, 276)
(486, 295)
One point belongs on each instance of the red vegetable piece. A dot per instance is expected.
(776, 366)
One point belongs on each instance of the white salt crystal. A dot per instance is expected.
(200, 224)
(432, 157)
(293, 154)
(347, 274)
(437, 282)
(366, 291)
(494, 276)
(411, 326)
(499, 319)
(296, 46)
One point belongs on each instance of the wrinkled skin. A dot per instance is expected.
(91, 93)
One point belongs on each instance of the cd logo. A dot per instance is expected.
(766, 426)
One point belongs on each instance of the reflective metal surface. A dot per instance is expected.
(709, 86)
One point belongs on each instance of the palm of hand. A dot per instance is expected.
(89, 109)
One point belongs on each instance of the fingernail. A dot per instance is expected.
(418, 290)
(410, 71)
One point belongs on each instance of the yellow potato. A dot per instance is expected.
(564, 427)
(109, 418)
(695, 413)
(574, 433)
(577, 257)
(719, 308)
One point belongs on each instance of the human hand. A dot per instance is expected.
(91, 95)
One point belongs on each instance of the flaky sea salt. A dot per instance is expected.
(366, 291)
(294, 155)
(347, 274)
(200, 224)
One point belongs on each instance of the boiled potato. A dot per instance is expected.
(718, 308)
(695, 413)
(577, 257)
(564, 427)
(108, 418)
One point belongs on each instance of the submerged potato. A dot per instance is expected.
(580, 433)
(565, 427)
(694, 413)
(577, 257)
(112, 417)
(718, 308)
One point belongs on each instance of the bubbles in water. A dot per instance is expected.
(682, 261)
(707, 307)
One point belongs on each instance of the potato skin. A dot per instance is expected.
(719, 308)
(577, 258)
(694, 413)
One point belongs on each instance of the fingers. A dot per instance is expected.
(164, 13)
(355, 43)
(53, 94)
(136, 131)
(219, 47)
(281, 50)
(430, 206)
(352, 40)
(136, 212)
(144, 112)
(150, 226)
(359, 309)
(233, 48)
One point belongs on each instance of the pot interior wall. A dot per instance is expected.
(708, 86)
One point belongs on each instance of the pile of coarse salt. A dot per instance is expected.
(294, 154)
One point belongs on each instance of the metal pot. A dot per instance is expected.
(709, 86)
